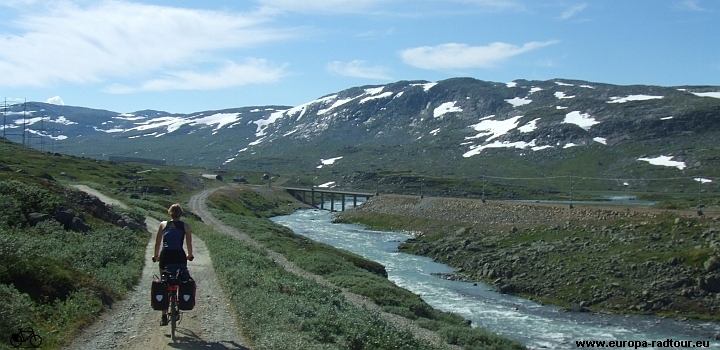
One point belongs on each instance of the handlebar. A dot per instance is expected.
(189, 257)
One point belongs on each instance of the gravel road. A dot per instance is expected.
(132, 324)
(198, 206)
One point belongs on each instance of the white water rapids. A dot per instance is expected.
(535, 325)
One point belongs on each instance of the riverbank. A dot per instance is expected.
(624, 260)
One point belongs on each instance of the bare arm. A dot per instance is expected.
(188, 241)
(158, 240)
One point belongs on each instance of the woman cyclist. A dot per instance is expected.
(171, 234)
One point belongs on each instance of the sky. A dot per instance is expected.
(188, 56)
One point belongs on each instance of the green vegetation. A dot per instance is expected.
(279, 310)
(53, 279)
(358, 275)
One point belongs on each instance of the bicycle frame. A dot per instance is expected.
(172, 280)
(174, 313)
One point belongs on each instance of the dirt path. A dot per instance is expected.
(132, 324)
(197, 205)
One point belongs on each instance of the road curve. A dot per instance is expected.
(197, 205)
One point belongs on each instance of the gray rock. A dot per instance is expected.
(709, 283)
(36, 218)
(79, 225)
(712, 264)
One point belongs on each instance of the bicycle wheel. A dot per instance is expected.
(15, 341)
(173, 316)
(35, 340)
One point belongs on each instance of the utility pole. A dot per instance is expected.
(571, 190)
(483, 192)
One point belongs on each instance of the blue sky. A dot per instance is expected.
(189, 56)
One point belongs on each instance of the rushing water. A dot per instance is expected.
(535, 325)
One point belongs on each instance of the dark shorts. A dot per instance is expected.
(172, 257)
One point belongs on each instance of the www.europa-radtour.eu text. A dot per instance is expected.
(636, 344)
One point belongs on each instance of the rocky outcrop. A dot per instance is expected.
(65, 217)
(95, 207)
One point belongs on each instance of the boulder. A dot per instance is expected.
(36, 218)
(710, 283)
(65, 216)
(78, 225)
(712, 264)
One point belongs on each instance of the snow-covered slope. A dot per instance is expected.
(457, 122)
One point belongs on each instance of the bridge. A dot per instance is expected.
(302, 194)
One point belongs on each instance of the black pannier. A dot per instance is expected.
(186, 294)
(158, 295)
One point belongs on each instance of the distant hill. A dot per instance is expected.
(460, 127)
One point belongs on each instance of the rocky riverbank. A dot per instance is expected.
(585, 258)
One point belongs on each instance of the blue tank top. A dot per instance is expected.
(174, 235)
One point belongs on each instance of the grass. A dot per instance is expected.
(278, 309)
(52, 279)
(358, 275)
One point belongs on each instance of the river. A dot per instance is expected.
(535, 325)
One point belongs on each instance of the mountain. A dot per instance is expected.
(460, 127)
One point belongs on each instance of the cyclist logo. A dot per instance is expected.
(23, 335)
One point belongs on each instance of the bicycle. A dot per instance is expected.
(171, 277)
(16, 339)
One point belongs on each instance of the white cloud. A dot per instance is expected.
(567, 14)
(252, 71)
(94, 42)
(367, 6)
(17, 3)
(493, 4)
(358, 69)
(453, 55)
(55, 100)
(322, 6)
(691, 5)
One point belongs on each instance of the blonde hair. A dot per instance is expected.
(175, 211)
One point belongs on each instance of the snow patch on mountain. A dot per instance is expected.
(582, 120)
(664, 161)
(337, 104)
(426, 86)
(715, 94)
(262, 124)
(529, 126)
(376, 97)
(329, 161)
(447, 107)
(517, 101)
(618, 99)
(535, 89)
(218, 119)
(493, 128)
(129, 117)
(475, 150)
(561, 95)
